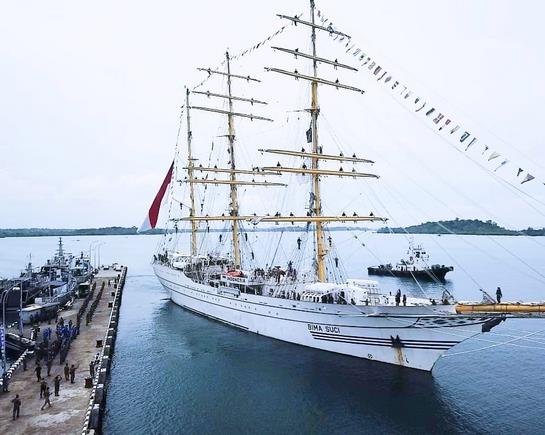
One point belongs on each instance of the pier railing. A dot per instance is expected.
(15, 366)
(95, 409)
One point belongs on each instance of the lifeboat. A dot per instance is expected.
(235, 273)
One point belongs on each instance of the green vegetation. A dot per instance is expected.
(126, 231)
(464, 226)
(457, 226)
(38, 232)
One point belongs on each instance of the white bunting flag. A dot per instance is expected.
(501, 164)
(471, 143)
(493, 156)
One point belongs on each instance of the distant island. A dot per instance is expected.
(42, 232)
(464, 227)
(129, 231)
(456, 226)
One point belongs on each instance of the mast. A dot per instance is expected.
(234, 193)
(315, 212)
(314, 111)
(231, 169)
(190, 165)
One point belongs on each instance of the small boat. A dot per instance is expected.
(415, 265)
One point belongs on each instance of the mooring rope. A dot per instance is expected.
(497, 345)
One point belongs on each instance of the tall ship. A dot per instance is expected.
(302, 296)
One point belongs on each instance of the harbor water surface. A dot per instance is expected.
(176, 372)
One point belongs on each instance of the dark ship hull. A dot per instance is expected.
(430, 274)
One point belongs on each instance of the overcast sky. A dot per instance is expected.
(90, 95)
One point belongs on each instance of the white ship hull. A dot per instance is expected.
(412, 337)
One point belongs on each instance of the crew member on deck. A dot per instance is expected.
(499, 295)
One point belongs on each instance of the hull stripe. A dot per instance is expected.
(384, 340)
(370, 343)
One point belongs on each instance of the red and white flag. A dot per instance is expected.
(153, 214)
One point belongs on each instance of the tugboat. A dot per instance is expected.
(416, 266)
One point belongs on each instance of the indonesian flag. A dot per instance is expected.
(153, 214)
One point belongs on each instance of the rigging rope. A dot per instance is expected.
(496, 345)
(428, 192)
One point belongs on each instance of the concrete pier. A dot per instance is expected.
(77, 409)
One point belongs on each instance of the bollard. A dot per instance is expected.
(110, 304)
(113, 294)
(99, 343)
(99, 393)
(88, 382)
(94, 419)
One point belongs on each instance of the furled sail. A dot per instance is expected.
(153, 213)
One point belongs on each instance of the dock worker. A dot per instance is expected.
(72, 373)
(92, 368)
(48, 365)
(47, 401)
(43, 387)
(66, 371)
(499, 295)
(404, 300)
(57, 384)
(299, 243)
(38, 371)
(16, 406)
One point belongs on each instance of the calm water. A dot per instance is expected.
(175, 372)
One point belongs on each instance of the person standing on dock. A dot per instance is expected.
(66, 371)
(38, 371)
(43, 387)
(57, 383)
(499, 295)
(92, 368)
(16, 406)
(48, 365)
(47, 394)
(404, 300)
(398, 297)
(72, 373)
